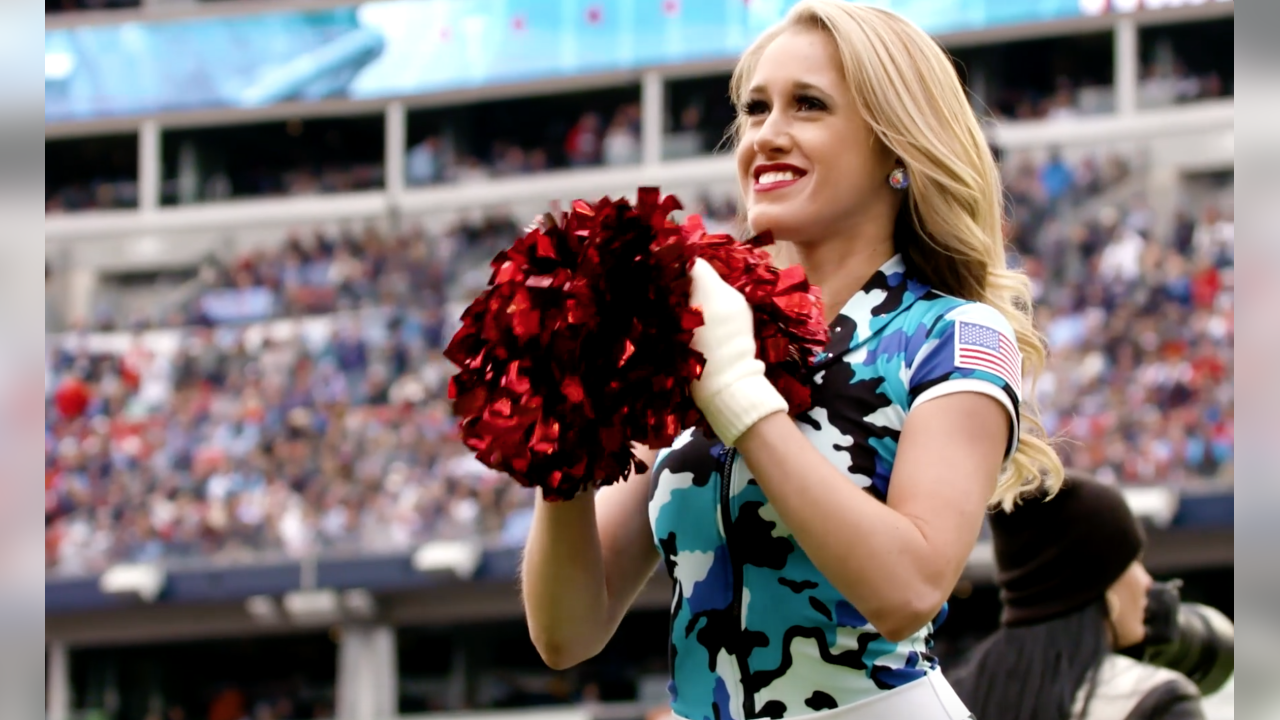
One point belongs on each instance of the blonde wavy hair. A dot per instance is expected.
(950, 226)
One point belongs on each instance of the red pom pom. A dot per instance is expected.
(581, 344)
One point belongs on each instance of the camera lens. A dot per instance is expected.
(1204, 648)
(1163, 601)
(1193, 639)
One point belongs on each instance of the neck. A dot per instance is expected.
(841, 268)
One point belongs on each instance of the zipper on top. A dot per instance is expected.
(727, 457)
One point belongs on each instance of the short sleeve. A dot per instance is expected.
(970, 349)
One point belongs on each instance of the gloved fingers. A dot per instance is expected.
(702, 272)
(707, 283)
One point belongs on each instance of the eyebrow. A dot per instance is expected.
(799, 85)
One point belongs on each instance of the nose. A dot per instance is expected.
(774, 136)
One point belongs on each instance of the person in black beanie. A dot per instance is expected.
(1074, 592)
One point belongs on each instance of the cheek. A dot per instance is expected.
(1133, 609)
(850, 170)
(744, 157)
(744, 188)
(1140, 603)
(1137, 626)
(1135, 605)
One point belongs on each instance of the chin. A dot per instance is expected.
(1134, 637)
(770, 220)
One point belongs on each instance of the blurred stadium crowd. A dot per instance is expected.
(324, 428)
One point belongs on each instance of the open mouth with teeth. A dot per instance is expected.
(776, 177)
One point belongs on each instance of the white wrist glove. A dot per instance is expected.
(733, 392)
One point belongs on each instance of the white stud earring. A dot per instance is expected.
(898, 179)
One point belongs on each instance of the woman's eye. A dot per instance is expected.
(755, 107)
(808, 102)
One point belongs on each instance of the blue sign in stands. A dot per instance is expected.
(393, 48)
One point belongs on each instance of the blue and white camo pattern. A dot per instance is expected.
(756, 630)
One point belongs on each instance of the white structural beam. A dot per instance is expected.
(149, 166)
(1127, 66)
(80, 288)
(653, 91)
(58, 682)
(367, 682)
(394, 153)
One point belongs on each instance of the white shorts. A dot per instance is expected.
(929, 698)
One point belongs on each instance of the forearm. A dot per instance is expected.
(563, 581)
(877, 558)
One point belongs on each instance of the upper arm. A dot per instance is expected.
(964, 396)
(626, 542)
(948, 461)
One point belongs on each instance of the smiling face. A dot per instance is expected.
(809, 165)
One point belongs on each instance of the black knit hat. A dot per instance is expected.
(1057, 556)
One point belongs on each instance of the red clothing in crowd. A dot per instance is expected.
(1205, 285)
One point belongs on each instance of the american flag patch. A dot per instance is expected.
(980, 347)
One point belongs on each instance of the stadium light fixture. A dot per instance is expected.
(462, 557)
(145, 580)
(313, 607)
(263, 609)
(322, 606)
(1157, 504)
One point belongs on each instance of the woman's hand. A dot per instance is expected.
(733, 392)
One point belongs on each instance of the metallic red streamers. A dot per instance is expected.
(580, 346)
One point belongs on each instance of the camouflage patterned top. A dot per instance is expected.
(756, 630)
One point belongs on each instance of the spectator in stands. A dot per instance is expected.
(470, 169)
(1056, 180)
(621, 142)
(1121, 259)
(1214, 237)
(582, 147)
(688, 139)
(509, 160)
(423, 164)
(1062, 104)
(537, 160)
